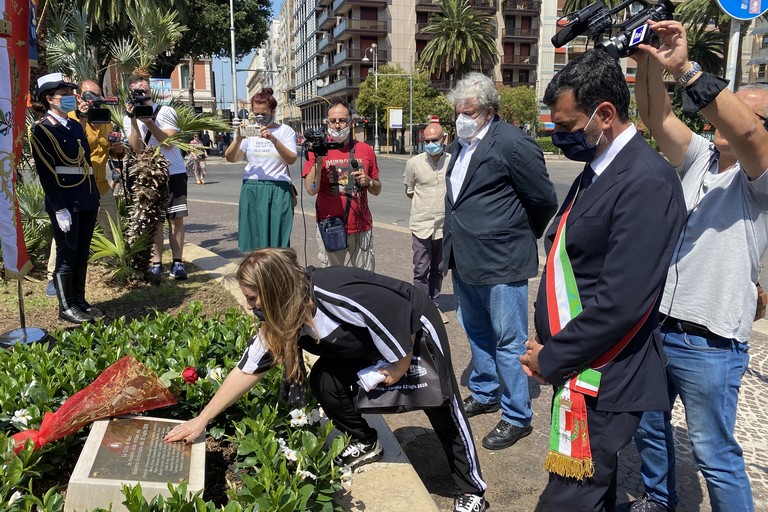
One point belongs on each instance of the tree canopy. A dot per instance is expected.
(394, 92)
(518, 105)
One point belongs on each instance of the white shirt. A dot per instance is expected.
(602, 162)
(462, 161)
(166, 120)
(264, 162)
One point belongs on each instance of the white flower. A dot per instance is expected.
(215, 374)
(282, 443)
(306, 474)
(290, 454)
(298, 418)
(14, 497)
(315, 416)
(21, 416)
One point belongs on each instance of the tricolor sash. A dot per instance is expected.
(569, 450)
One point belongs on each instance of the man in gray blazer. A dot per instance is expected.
(499, 200)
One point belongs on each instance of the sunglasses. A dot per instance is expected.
(139, 91)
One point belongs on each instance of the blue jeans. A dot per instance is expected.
(495, 318)
(706, 373)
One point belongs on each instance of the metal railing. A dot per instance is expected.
(521, 32)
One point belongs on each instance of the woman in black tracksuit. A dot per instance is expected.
(350, 318)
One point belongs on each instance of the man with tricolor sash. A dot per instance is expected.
(596, 313)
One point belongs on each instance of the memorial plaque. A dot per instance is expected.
(134, 448)
(131, 450)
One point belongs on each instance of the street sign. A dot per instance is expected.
(743, 9)
(395, 118)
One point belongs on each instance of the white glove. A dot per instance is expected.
(64, 219)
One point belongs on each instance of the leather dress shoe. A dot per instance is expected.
(505, 435)
(472, 407)
(74, 315)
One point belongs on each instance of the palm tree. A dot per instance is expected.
(460, 38)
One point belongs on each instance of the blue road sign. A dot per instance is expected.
(744, 9)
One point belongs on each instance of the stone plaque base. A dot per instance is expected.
(130, 450)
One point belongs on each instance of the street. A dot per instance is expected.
(391, 208)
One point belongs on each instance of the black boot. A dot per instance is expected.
(78, 291)
(68, 309)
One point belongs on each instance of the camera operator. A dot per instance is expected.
(153, 131)
(89, 96)
(265, 212)
(709, 299)
(341, 179)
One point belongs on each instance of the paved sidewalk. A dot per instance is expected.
(515, 476)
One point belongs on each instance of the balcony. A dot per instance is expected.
(517, 83)
(324, 3)
(418, 34)
(427, 6)
(338, 86)
(326, 20)
(349, 56)
(323, 68)
(488, 6)
(350, 27)
(519, 61)
(343, 6)
(324, 45)
(517, 34)
(515, 6)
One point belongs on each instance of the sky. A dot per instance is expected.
(223, 69)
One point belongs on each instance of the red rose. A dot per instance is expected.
(189, 375)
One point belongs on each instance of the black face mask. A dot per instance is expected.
(258, 313)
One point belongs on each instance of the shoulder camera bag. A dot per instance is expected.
(333, 230)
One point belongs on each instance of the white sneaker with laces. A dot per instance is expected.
(469, 503)
(357, 454)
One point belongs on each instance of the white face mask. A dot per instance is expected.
(338, 135)
(467, 126)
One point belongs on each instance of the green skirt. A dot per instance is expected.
(265, 217)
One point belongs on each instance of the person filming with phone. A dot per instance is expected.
(267, 198)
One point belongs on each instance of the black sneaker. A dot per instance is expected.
(357, 454)
(469, 503)
(472, 407)
(648, 504)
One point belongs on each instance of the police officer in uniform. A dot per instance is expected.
(62, 158)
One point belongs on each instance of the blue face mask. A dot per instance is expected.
(67, 104)
(574, 145)
(433, 148)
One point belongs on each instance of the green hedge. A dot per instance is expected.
(285, 458)
(545, 143)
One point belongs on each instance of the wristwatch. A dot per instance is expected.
(686, 77)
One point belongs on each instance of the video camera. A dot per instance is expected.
(317, 142)
(139, 109)
(97, 114)
(595, 20)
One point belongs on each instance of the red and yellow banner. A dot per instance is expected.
(16, 27)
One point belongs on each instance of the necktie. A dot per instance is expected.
(587, 176)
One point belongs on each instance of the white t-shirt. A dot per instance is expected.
(717, 258)
(166, 120)
(263, 160)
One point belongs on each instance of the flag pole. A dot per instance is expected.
(22, 335)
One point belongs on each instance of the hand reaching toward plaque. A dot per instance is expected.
(234, 386)
(187, 432)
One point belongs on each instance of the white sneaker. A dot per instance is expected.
(469, 503)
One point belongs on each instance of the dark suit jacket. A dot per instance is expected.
(490, 230)
(619, 236)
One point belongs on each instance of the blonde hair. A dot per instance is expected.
(284, 290)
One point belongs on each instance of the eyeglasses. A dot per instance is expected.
(434, 140)
(341, 122)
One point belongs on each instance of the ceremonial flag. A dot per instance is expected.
(16, 25)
